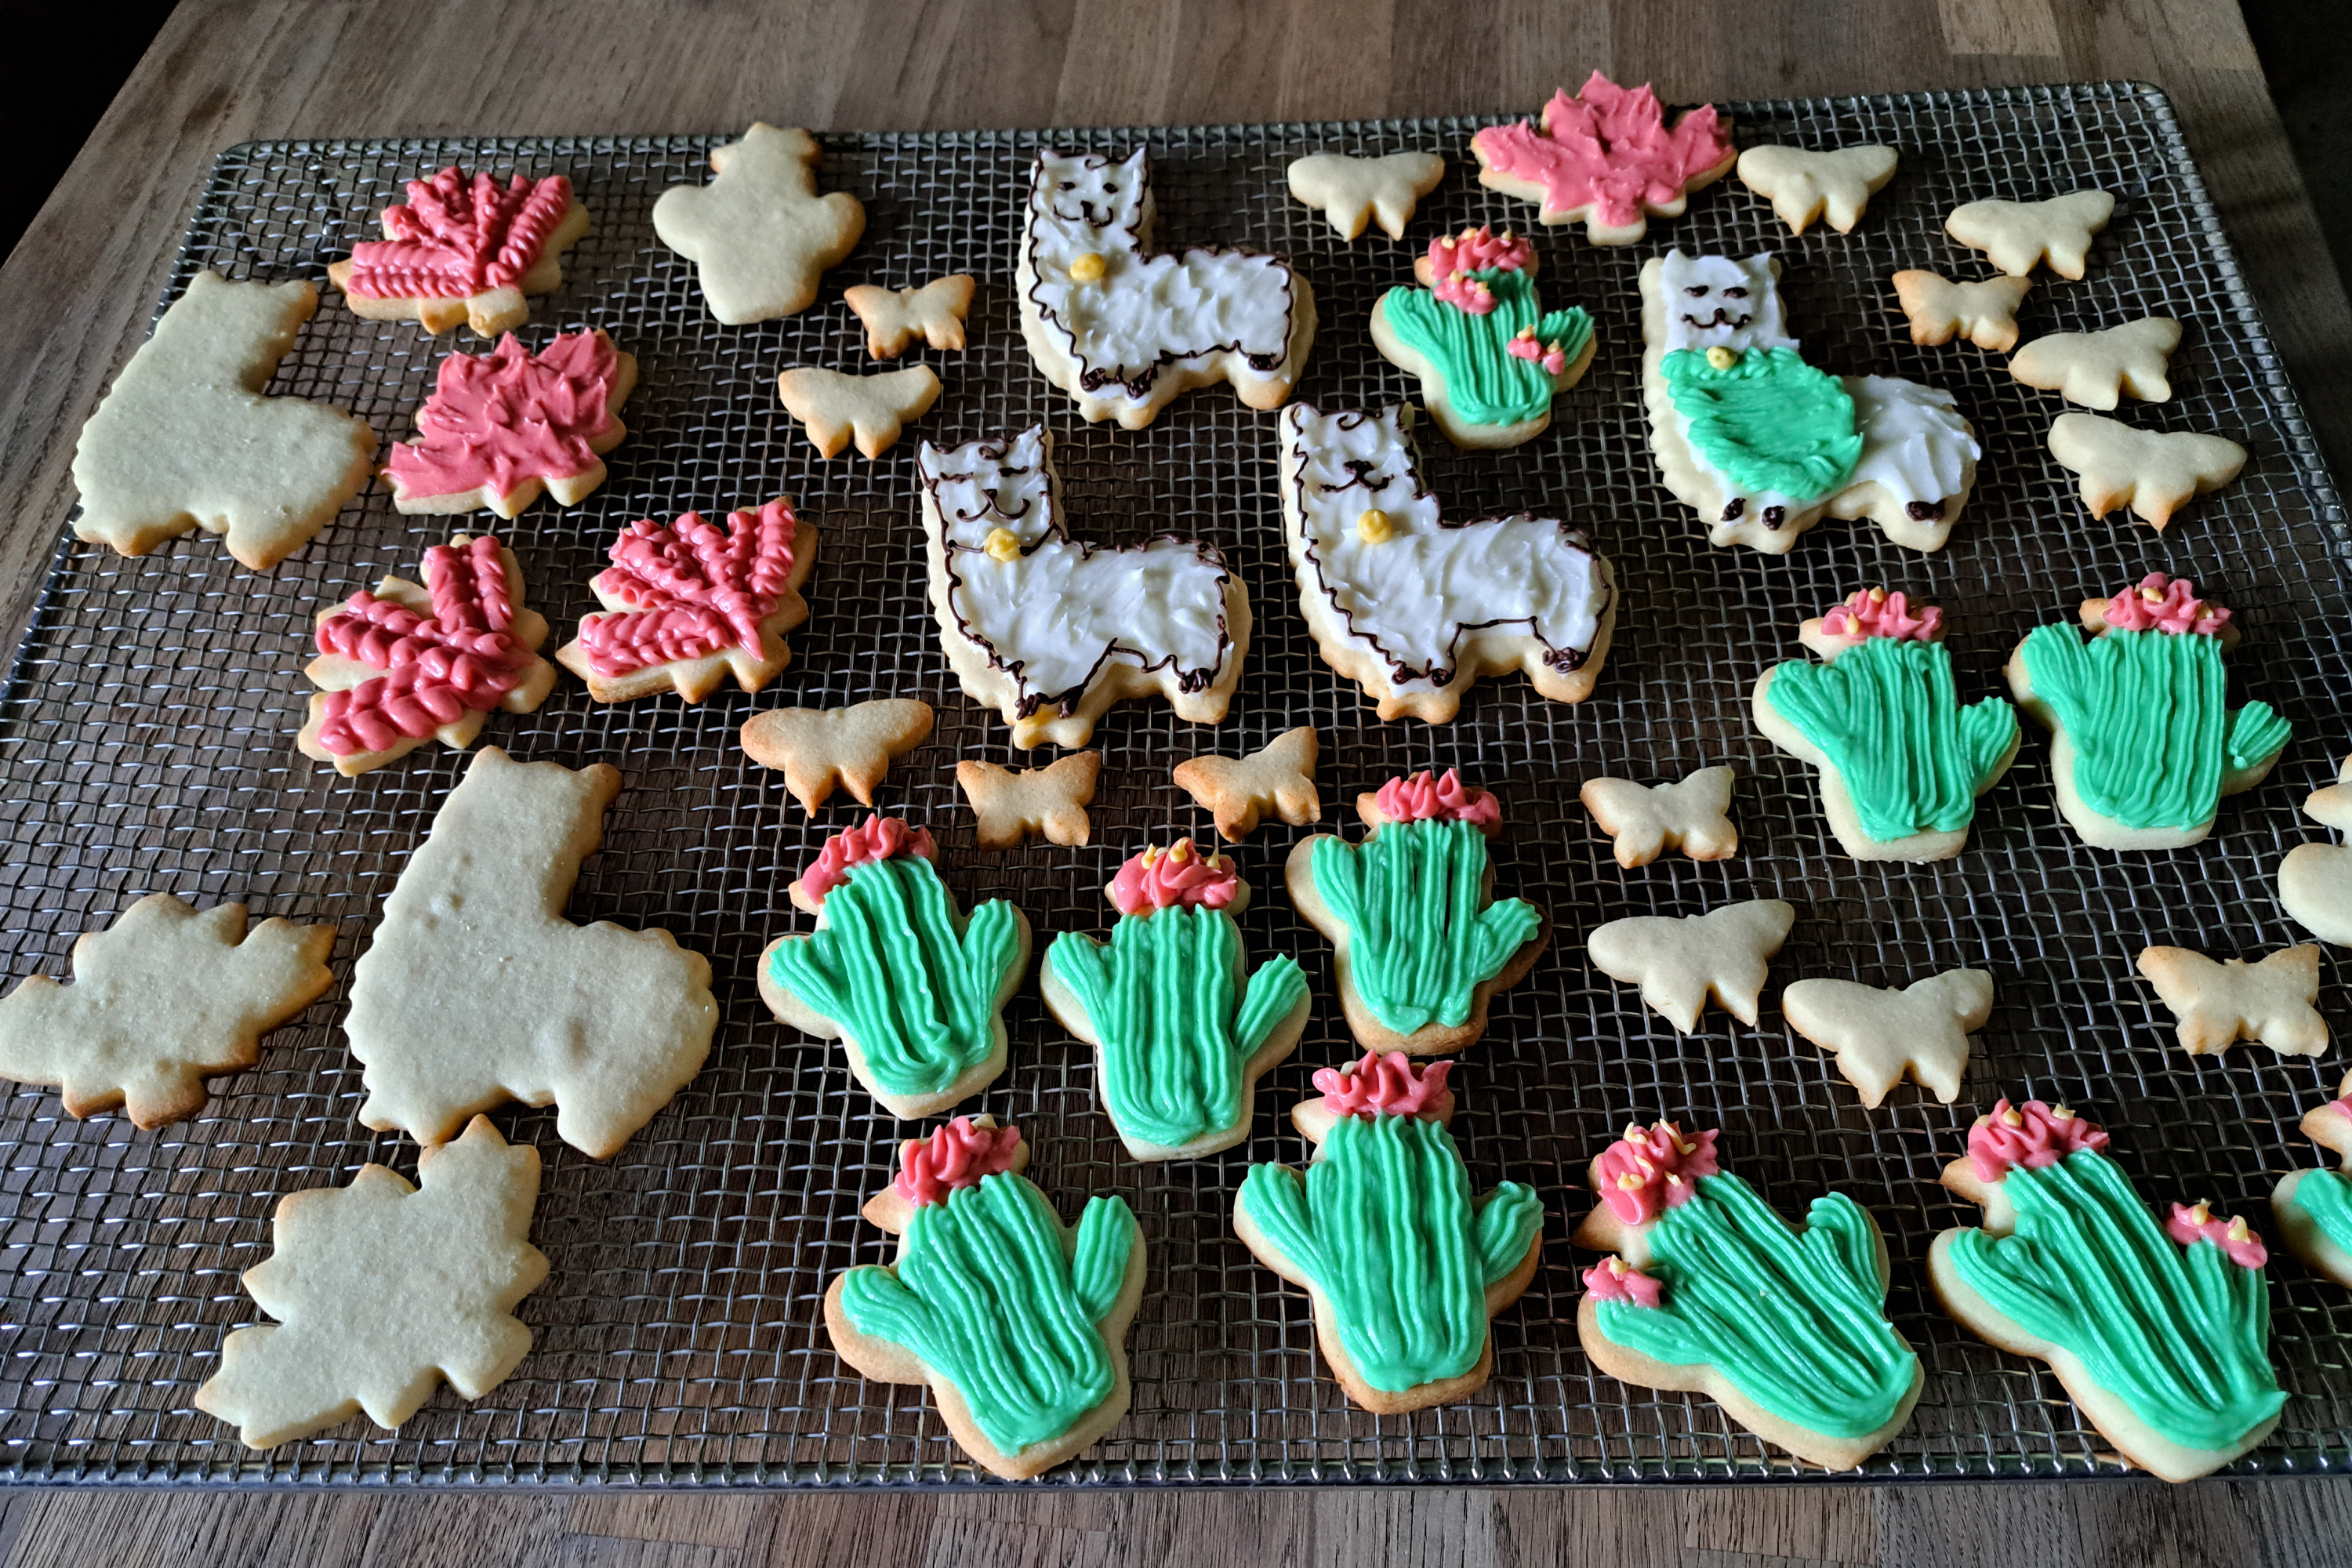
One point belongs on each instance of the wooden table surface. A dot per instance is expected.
(74, 298)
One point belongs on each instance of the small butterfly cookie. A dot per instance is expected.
(834, 406)
(1691, 815)
(820, 749)
(2155, 473)
(1279, 779)
(1351, 191)
(1880, 1036)
(896, 318)
(2095, 368)
(2273, 1001)
(2019, 235)
(1802, 185)
(1939, 310)
(1013, 803)
(1681, 961)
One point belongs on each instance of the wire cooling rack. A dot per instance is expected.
(146, 744)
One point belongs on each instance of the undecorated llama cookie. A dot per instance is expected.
(2017, 236)
(162, 1000)
(2273, 1001)
(1352, 191)
(1490, 356)
(819, 750)
(759, 234)
(1680, 961)
(1606, 159)
(1802, 185)
(1280, 779)
(689, 602)
(1016, 1322)
(2315, 879)
(2155, 473)
(464, 250)
(2095, 368)
(380, 1290)
(834, 406)
(2314, 1208)
(896, 318)
(1879, 1035)
(185, 440)
(1013, 803)
(1692, 815)
(1183, 1028)
(500, 427)
(1939, 310)
(410, 663)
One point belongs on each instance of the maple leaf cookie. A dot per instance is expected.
(380, 1290)
(1350, 191)
(894, 319)
(1413, 608)
(1760, 443)
(2315, 879)
(2017, 236)
(914, 991)
(1709, 1290)
(687, 603)
(1421, 943)
(1681, 961)
(405, 664)
(1279, 779)
(820, 749)
(759, 234)
(1051, 630)
(1183, 1028)
(502, 427)
(2160, 1333)
(476, 991)
(2143, 745)
(2095, 368)
(1802, 185)
(1490, 358)
(1939, 310)
(1692, 815)
(464, 250)
(1407, 1267)
(1016, 1322)
(834, 406)
(2273, 1001)
(1014, 803)
(2314, 1208)
(185, 440)
(1606, 159)
(1880, 1036)
(2155, 473)
(162, 1000)
(1124, 330)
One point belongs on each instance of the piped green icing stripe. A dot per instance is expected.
(2144, 712)
(1771, 423)
(1162, 997)
(983, 1292)
(2325, 1196)
(888, 967)
(1486, 384)
(1383, 1225)
(1795, 1320)
(1884, 713)
(2181, 1335)
(1421, 936)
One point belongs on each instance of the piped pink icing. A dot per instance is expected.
(2188, 1226)
(1419, 798)
(1550, 356)
(461, 660)
(456, 237)
(2164, 603)
(1875, 613)
(689, 589)
(876, 838)
(1607, 148)
(1651, 1169)
(1614, 1279)
(956, 1155)
(1177, 875)
(1453, 258)
(2033, 1135)
(1387, 1085)
(498, 419)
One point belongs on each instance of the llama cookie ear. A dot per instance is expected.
(501, 428)
(1350, 191)
(1692, 815)
(933, 312)
(759, 233)
(820, 749)
(2315, 879)
(2273, 1001)
(1880, 1036)
(2016, 236)
(1279, 779)
(1679, 962)
(1606, 159)
(1939, 310)
(1013, 803)
(1803, 185)
(2095, 368)
(834, 406)
(2155, 473)
(465, 251)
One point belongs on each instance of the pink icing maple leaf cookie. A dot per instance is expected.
(500, 427)
(1607, 159)
(464, 250)
(686, 601)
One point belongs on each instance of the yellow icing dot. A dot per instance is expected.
(1001, 544)
(1087, 268)
(1373, 527)
(1629, 1182)
(1722, 358)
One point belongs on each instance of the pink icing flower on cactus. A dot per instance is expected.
(1551, 356)
(1387, 1086)
(1614, 1279)
(1879, 614)
(1420, 799)
(1651, 1169)
(957, 1155)
(2190, 1225)
(2162, 604)
(2034, 1136)
(876, 838)
(1179, 874)
(1453, 259)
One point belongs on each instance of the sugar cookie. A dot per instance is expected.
(1692, 815)
(1490, 358)
(2314, 1208)
(819, 750)
(759, 234)
(2315, 879)
(2273, 1001)
(2154, 473)
(2095, 368)
(1880, 1036)
(834, 407)
(1679, 962)
(1351, 191)
(896, 318)
(1280, 779)
(1607, 159)
(500, 427)
(1803, 184)
(2016, 236)
(464, 250)
(1013, 803)
(1939, 310)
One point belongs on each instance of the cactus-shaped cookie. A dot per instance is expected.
(2314, 1208)
(1490, 357)
(1902, 760)
(2159, 1333)
(1181, 1029)
(1711, 1290)
(1422, 945)
(914, 991)
(1407, 1270)
(1017, 1321)
(2144, 745)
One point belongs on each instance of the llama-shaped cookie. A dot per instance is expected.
(1124, 330)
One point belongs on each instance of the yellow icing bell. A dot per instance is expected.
(1373, 527)
(1721, 358)
(1001, 544)
(1087, 268)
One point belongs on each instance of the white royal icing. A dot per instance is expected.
(1426, 595)
(1736, 304)
(1057, 614)
(1914, 440)
(1147, 315)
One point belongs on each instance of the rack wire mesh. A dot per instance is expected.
(146, 745)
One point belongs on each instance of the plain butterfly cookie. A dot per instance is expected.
(498, 428)
(1692, 814)
(2314, 1208)
(1880, 1036)
(819, 750)
(759, 234)
(2095, 368)
(896, 318)
(2273, 1001)
(2017, 236)
(834, 407)
(1240, 791)
(1013, 803)
(1490, 356)
(1351, 192)
(1939, 310)
(1802, 185)
(2315, 879)
(1681, 961)
(2155, 473)
(1606, 159)
(464, 250)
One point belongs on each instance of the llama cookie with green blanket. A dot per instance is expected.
(2143, 743)
(1182, 1027)
(1421, 942)
(1490, 356)
(1016, 1322)
(914, 990)
(1709, 1290)
(1406, 1268)
(1902, 760)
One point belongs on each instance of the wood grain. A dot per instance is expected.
(77, 294)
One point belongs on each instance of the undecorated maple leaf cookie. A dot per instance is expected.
(2095, 368)
(2155, 473)
(2019, 235)
(1878, 1035)
(1013, 803)
(1351, 192)
(820, 749)
(1939, 310)
(1802, 185)
(896, 318)
(1607, 159)
(1278, 779)
(1681, 961)
(759, 234)
(502, 427)
(464, 250)
(2273, 1001)
(1692, 815)
(162, 1000)
(835, 405)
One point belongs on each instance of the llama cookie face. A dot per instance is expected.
(185, 440)
(2095, 368)
(462, 250)
(1490, 358)
(1880, 1036)
(1051, 630)
(1122, 330)
(1761, 444)
(1693, 816)
(1803, 185)
(759, 233)
(2153, 472)
(2273, 1001)
(834, 408)
(1606, 159)
(1680, 962)
(2017, 236)
(502, 427)
(1939, 310)
(1351, 191)
(819, 750)
(2314, 1208)
(1241, 790)
(1414, 609)
(895, 318)
(2315, 879)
